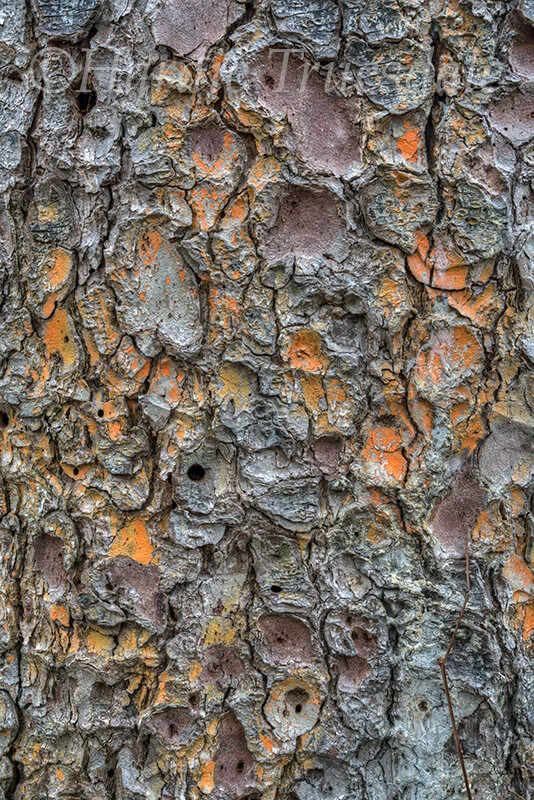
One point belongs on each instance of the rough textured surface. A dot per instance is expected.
(266, 366)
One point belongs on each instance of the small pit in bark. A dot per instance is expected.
(196, 472)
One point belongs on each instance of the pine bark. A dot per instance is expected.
(266, 399)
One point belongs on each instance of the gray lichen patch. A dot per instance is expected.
(158, 296)
(314, 23)
(69, 18)
(395, 77)
(398, 208)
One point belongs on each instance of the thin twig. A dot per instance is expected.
(442, 661)
(517, 795)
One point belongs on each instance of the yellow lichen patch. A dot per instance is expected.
(235, 384)
(303, 351)
(59, 337)
(162, 694)
(48, 212)
(195, 670)
(133, 541)
(99, 643)
(219, 630)
(131, 640)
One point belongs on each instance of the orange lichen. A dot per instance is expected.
(59, 267)
(263, 171)
(148, 246)
(383, 454)
(133, 541)
(469, 428)
(482, 308)
(528, 623)
(206, 202)
(455, 355)
(60, 614)
(520, 578)
(417, 261)
(268, 743)
(59, 338)
(408, 143)
(303, 351)
(206, 781)
(77, 473)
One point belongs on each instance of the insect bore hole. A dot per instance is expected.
(196, 472)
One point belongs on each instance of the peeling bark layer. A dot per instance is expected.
(266, 366)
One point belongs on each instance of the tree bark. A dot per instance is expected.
(266, 399)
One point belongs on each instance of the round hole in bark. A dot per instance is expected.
(196, 472)
(111, 772)
(276, 589)
(297, 699)
(75, 471)
(100, 412)
(240, 766)
(86, 101)
(4, 419)
(66, 339)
